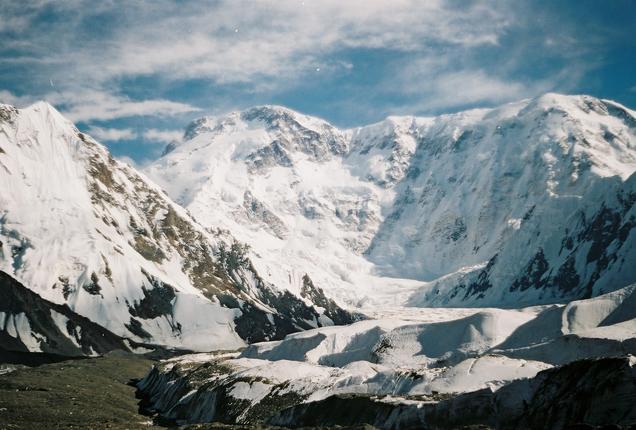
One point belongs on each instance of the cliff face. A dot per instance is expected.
(588, 393)
(29, 323)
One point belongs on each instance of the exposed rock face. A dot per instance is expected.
(584, 256)
(317, 296)
(207, 394)
(594, 392)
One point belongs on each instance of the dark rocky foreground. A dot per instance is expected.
(92, 393)
(98, 393)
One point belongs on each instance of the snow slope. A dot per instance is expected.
(82, 229)
(528, 203)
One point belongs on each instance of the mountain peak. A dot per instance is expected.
(41, 105)
(272, 116)
(200, 125)
(268, 109)
(577, 104)
(44, 114)
(411, 197)
(81, 229)
(45, 108)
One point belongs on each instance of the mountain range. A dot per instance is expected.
(525, 204)
(265, 222)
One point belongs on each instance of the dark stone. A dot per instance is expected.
(567, 279)
(93, 287)
(622, 114)
(136, 328)
(601, 231)
(532, 274)
(458, 230)
(156, 302)
(482, 283)
(584, 394)
(317, 296)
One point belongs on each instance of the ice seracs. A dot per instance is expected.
(406, 362)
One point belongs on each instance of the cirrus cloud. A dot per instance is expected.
(237, 42)
(162, 136)
(87, 105)
(111, 134)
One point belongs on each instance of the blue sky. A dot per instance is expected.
(133, 74)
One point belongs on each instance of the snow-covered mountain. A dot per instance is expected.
(86, 231)
(273, 214)
(531, 202)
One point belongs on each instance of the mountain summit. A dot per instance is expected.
(531, 202)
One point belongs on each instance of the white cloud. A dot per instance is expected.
(9, 98)
(132, 163)
(111, 134)
(436, 85)
(88, 105)
(470, 87)
(275, 39)
(163, 136)
(265, 47)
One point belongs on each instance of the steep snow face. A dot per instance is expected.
(78, 227)
(477, 176)
(82, 229)
(486, 207)
(539, 190)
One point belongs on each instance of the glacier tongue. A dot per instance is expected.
(486, 207)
